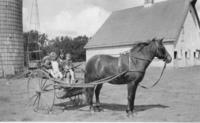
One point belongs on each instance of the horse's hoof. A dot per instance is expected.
(91, 109)
(129, 113)
(98, 108)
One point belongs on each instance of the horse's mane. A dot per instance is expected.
(139, 46)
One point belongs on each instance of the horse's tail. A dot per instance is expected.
(88, 92)
(88, 77)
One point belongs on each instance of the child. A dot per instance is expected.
(61, 60)
(46, 61)
(68, 67)
(52, 66)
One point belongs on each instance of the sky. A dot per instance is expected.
(74, 17)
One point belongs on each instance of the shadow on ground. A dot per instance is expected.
(111, 106)
(138, 108)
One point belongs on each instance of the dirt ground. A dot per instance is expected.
(176, 98)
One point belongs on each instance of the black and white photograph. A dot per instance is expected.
(99, 60)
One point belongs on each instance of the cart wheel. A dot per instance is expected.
(41, 94)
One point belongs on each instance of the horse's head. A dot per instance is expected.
(161, 52)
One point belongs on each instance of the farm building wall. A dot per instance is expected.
(188, 42)
(114, 51)
(11, 37)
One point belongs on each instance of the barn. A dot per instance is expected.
(176, 21)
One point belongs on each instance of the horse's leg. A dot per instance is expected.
(89, 97)
(97, 92)
(132, 87)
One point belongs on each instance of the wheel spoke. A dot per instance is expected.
(36, 100)
(40, 84)
(47, 86)
(33, 96)
(43, 85)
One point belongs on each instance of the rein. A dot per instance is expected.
(157, 80)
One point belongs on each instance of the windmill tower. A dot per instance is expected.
(33, 47)
(34, 19)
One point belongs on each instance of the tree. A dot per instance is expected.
(74, 46)
(78, 50)
(34, 36)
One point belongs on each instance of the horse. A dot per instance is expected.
(135, 62)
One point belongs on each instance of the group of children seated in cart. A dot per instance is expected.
(60, 67)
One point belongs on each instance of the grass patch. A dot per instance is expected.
(4, 99)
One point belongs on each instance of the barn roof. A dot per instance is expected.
(128, 26)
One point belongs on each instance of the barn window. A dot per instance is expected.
(187, 54)
(175, 54)
(196, 55)
(148, 1)
(178, 54)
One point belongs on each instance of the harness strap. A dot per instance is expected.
(141, 58)
(131, 61)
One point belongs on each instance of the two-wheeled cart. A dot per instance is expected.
(44, 90)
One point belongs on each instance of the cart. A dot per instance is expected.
(44, 90)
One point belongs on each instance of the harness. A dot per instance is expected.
(142, 59)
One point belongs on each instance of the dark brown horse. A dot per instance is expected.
(135, 63)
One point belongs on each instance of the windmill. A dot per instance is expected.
(33, 46)
(34, 19)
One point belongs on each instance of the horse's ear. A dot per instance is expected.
(161, 41)
(158, 42)
(154, 39)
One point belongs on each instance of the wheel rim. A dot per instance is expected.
(41, 94)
